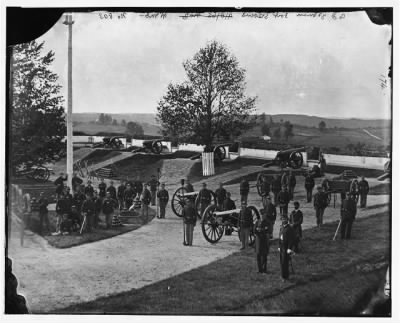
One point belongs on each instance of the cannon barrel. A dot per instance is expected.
(287, 152)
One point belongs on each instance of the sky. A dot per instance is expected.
(294, 64)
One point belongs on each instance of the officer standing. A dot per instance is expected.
(244, 190)
(102, 188)
(108, 207)
(320, 203)
(245, 225)
(262, 243)
(129, 194)
(153, 183)
(295, 220)
(283, 200)
(265, 188)
(276, 188)
(63, 209)
(347, 214)
(284, 179)
(309, 185)
(88, 211)
(76, 182)
(97, 209)
(270, 212)
(112, 190)
(89, 188)
(120, 194)
(363, 189)
(292, 184)
(163, 198)
(205, 198)
(189, 222)
(145, 199)
(43, 212)
(220, 194)
(286, 243)
(59, 183)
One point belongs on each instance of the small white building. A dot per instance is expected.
(266, 138)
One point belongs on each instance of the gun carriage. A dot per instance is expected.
(39, 173)
(181, 195)
(292, 158)
(344, 183)
(215, 223)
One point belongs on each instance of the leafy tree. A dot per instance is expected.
(211, 104)
(265, 130)
(37, 116)
(287, 130)
(277, 133)
(322, 126)
(134, 129)
(123, 122)
(107, 119)
(101, 118)
(115, 122)
(262, 118)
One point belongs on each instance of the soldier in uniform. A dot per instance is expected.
(309, 185)
(76, 182)
(120, 194)
(287, 239)
(221, 196)
(284, 179)
(153, 183)
(245, 225)
(145, 199)
(228, 203)
(97, 209)
(189, 222)
(283, 200)
(163, 198)
(347, 215)
(295, 220)
(244, 190)
(292, 184)
(88, 210)
(322, 164)
(78, 198)
(112, 190)
(189, 187)
(129, 195)
(363, 189)
(43, 212)
(59, 183)
(89, 188)
(205, 198)
(320, 203)
(276, 188)
(108, 207)
(265, 189)
(102, 188)
(262, 243)
(63, 209)
(270, 213)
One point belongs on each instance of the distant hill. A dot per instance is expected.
(298, 119)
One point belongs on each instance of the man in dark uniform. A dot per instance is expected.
(347, 214)
(322, 164)
(295, 220)
(102, 188)
(245, 225)
(59, 183)
(43, 212)
(76, 182)
(283, 200)
(292, 184)
(97, 209)
(276, 188)
(189, 187)
(129, 195)
(163, 198)
(284, 179)
(120, 194)
(265, 188)
(153, 183)
(89, 188)
(63, 209)
(244, 190)
(78, 199)
(309, 185)
(189, 222)
(108, 207)
(145, 199)
(88, 211)
(320, 203)
(112, 190)
(221, 196)
(287, 239)
(270, 213)
(205, 198)
(262, 243)
(363, 189)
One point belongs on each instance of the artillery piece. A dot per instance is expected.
(214, 223)
(110, 143)
(292, 158)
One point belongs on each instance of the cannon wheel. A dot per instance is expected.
(178, 201)
(156, 147)
(260, 178)
(41, 174)
(220, 153)
(197, 203)
(212, 229)
(256, 216)
(296, 159)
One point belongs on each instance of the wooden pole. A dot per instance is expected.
(70, 158)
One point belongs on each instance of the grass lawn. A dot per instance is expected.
(100, 155)
(331, 277)
(75, 239)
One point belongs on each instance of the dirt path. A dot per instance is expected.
(55, 278)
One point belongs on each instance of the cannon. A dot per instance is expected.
(179, 199)
(111, 143)
(342, 184)
(292, 158)
(215, 223)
